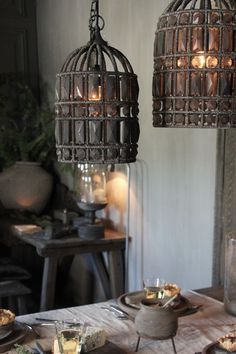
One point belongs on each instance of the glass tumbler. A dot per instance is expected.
(230, 274)
(69, 337)
(154, 287)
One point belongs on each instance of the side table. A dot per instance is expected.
(111, 275)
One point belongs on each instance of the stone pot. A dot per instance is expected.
(25, 186)
(154, 321)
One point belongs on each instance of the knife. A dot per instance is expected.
(119, 310)
(50, 320)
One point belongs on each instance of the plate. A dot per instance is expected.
(214, 349)
(17, 335)
(4, 335)
(130, 302)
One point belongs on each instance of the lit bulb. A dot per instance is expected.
(198, 62)
(211, 62)
(227, 62)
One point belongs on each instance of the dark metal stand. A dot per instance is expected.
(172, 340)
(89, 227)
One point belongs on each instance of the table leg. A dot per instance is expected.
(48, 283)
(116, 272)
(100, 268)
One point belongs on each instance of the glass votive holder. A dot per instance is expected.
(69, 337)
(230, 274)
(154, 287)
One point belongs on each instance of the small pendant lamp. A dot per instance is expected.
(96, 103)
(194, 80)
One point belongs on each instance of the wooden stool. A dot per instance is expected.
(14, 292)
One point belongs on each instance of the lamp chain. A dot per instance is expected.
(94, 25)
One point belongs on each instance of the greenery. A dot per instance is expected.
(26, 129)
(21, 349)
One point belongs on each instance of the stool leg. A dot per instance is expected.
(137, 345)
(173, 344)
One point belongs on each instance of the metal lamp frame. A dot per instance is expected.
(96, 103)
(194, 80)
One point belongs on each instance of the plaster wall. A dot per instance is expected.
(173, 182)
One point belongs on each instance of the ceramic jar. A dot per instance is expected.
(154, 321)
(25, 186)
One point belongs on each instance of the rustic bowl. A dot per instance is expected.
(155, 322)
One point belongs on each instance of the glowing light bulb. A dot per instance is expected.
(198, 61)
(211, 62)
(227, 62)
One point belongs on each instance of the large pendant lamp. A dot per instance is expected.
(194, 81)
(96, 103)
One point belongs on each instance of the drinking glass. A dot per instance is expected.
(230, 274)
(154, 287)
(69, 337)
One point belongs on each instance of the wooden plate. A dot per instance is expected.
(125, 302)
(16, 336)
(214, 349)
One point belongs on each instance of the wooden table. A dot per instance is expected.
(111, 277)
(194, 332)
(217, 292)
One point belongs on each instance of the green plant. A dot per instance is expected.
(21, 349)
(26, 129)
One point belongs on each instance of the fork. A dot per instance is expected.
(117, 315)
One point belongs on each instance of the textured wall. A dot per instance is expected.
(172, 192)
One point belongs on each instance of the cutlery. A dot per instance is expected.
(119, 310)
(52, 321)
(116, 313)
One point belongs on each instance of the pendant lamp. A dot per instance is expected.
(96, 103)
(194, 80)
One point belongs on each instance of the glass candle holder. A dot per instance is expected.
(230, 274)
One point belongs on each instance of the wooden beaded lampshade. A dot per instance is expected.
(97, 103)
(194, 80)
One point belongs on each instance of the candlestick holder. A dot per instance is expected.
(90, 196)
